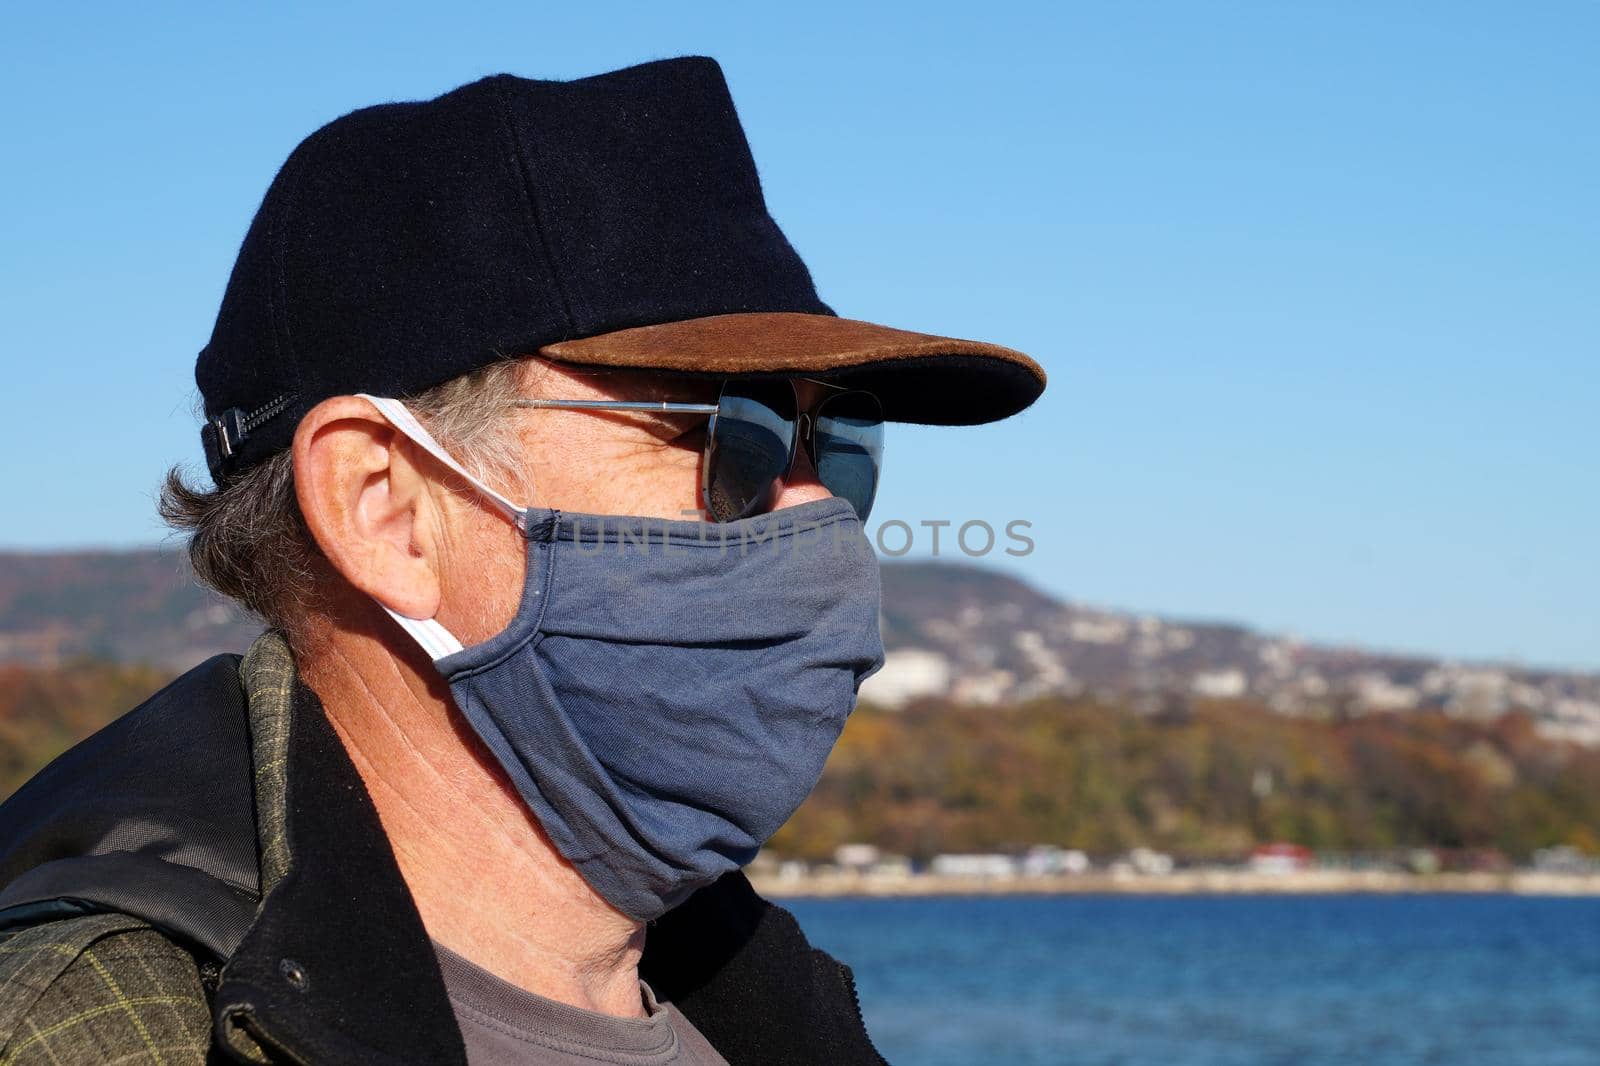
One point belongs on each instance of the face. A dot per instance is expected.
(406, 532)
(586, 461)
(628, 462)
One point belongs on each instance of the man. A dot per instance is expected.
(536, 449)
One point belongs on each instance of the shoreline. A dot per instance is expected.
(1199, 882)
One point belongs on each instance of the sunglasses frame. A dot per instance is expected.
(802, 425)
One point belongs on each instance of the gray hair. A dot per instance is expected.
(247, 538)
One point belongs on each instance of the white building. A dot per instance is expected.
(908, 674)
(998, 867)
(1220, 684)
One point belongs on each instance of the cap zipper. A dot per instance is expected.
(233, 426)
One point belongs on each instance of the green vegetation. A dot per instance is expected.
(44, 712)
(1208, 781)
(1204, 781)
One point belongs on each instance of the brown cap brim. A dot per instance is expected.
(918, 377)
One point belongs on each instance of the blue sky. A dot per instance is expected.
(1318, 285)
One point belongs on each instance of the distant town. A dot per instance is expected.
(865, 870)
(972, 636)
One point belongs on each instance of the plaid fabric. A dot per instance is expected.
(268, 674)
(107, 988)
(100, 989)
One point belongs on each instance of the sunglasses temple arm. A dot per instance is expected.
(621, 405)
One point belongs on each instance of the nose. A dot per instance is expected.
(801, 485)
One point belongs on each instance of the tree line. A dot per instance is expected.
(1207, 779)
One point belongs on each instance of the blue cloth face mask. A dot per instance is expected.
(668, 691)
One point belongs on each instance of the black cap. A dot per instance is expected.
(406, 244)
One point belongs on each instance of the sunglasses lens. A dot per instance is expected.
(848, 447)
(751, 441)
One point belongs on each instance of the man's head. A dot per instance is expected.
(510, 240)
(460, 332)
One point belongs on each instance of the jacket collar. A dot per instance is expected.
(337, 966)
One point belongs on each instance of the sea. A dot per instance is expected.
(1212, 980)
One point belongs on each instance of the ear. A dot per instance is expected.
(366, 504)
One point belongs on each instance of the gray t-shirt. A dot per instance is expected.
(506, 1026)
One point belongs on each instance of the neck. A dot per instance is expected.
(486, 879)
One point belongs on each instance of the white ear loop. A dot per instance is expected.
(434, 639)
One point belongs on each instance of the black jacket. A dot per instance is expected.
(155, 816)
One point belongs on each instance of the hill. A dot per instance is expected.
(1004, 717)
(958, 633)
(120, 606)
(972, 636)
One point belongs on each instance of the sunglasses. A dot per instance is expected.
(756, 432)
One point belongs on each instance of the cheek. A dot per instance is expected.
(609, 472)
(483, 581)
(661, 484)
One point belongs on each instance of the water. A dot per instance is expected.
(1206, 981)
